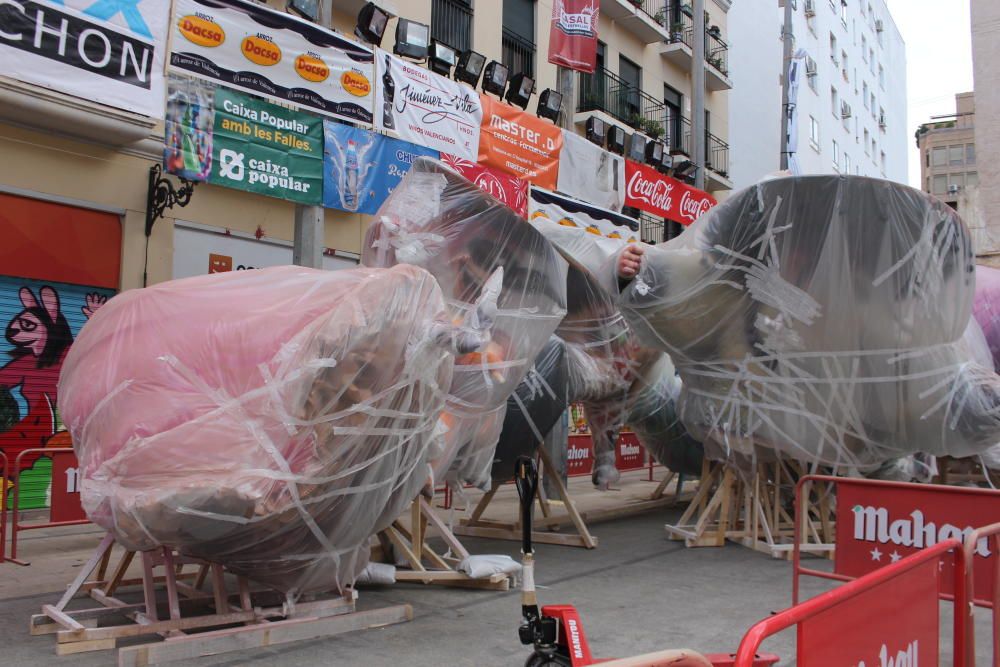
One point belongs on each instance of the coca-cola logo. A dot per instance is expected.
(657, 193)
(692, 207)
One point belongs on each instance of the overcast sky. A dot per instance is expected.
(938, 61)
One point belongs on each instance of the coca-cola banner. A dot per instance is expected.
(426, 108)
(510, 191)
(648, 190)
(590, 173)
(573, 35)
(545, 205)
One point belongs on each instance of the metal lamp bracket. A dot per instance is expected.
(161, 195)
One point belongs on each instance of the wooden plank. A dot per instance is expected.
(106, 543)
(123, 565)
(150, 627)
(416, 532)
(61, 618)
(581, 526)
(395, 533)
(442, 530)
(170, 573)
(148, 585)
(259, 636)
(542, 537)
(496, 582)
(483, 504)
(85, 646)
(219, 589)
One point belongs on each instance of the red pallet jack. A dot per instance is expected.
(556, 632)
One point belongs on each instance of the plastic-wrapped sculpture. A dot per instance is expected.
(270, 420)
(986, 308)
(438, 220)
(821, 317)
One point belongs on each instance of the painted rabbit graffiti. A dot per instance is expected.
(40, 336)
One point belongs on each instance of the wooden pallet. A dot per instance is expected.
(424, 564)
(549, 522)
(192, 620)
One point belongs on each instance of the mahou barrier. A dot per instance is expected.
(887, 617)
(972, 547)
(4, 476)
(64, 509)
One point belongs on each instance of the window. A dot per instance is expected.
(866, 141)
(881, 119)
(847, 163)
(940, 185)
(940, 157)
(836, 155)
(864, 48)
(971, 179)
(956, 155)
(814, 132)
(881, 77)
(518, 38)
(970, 154)
(871, 60)
(956, 182)
(631, 76)
(883, 162)
(451, 23)
(874, 149)
(812, 77)
(834, 102)
(843, 11)
(833, 48)
(927, 158)
(864, 93)
(874, 117)
(843, 64)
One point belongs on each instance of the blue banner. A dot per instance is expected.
(361, 168)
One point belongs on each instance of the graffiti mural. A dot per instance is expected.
(40, 321)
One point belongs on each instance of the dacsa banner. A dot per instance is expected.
(573, 35)
(648, 190)
(519, 143)
(510, 191)
(278, 56)
(549, 208)
(248, 144)
(426, 108)
(361, 168)
(108, 51)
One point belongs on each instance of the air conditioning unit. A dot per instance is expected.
(847, 77)
(879, 26)
(845, 110)
(810, 8)
(881, 121)
(811, 69)
(953, 189)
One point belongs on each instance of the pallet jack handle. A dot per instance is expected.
(526, 481)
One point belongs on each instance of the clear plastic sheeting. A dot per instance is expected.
(821, 317)
(438, 220)
(268, 420)
(986, 308)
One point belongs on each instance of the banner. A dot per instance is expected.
(243, 142)
(590, 173)
(427, 109)
(106, 52)
(573, 35)
(649, 190)
(519, 143)
(272, 54)
(572, 213)
(361, 168)
(510, 191)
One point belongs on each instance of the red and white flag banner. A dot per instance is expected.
(573, 36)
(648, 190)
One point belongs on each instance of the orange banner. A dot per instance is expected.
(519, 143)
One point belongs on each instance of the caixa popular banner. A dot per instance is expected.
(278, 56)
(107, 52)
(239, 141)
(648, 190)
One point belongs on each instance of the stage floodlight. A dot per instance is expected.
(654, 153)
(616, 139)
(372, 21)
(549, 105)
(412, 39)
(470, 67)
(442, 58)
(495, 78)
(597, 131)
(636, 150)
(521, 89)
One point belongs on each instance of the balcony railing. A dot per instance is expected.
(681, 29)
(717, 53)
(678, 135)
(518, 53)
(654, 9)
(604, 91)
(651, 230)
(451, 23)
(717, 155)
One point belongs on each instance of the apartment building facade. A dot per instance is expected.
(948, 152)
(985, 15)
(851, 101)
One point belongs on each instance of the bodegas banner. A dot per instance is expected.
(272, 54)
(588, 172)
(648, 190)
(510, 191)
(107, 52)
(362, 168)
(243, 142)
(427, 109)
(573, 35)
(519, 143)
(549, 206)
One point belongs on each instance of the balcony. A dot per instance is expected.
(604, 92)
(679, 49)
(517, 53)
(716, 163)
(651, 229)
(646, 19)
(716, 63)
(451, 23)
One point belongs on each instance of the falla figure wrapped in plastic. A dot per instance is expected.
(443, 223)
(268, 420)
(822, 317)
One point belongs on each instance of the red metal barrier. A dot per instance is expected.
(975, 542)
(15, 525)
(889, 616)
(4, 476)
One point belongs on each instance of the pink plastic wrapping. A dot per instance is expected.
(269, 420)
(438, 220)
(986, 308)
(823, 318)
